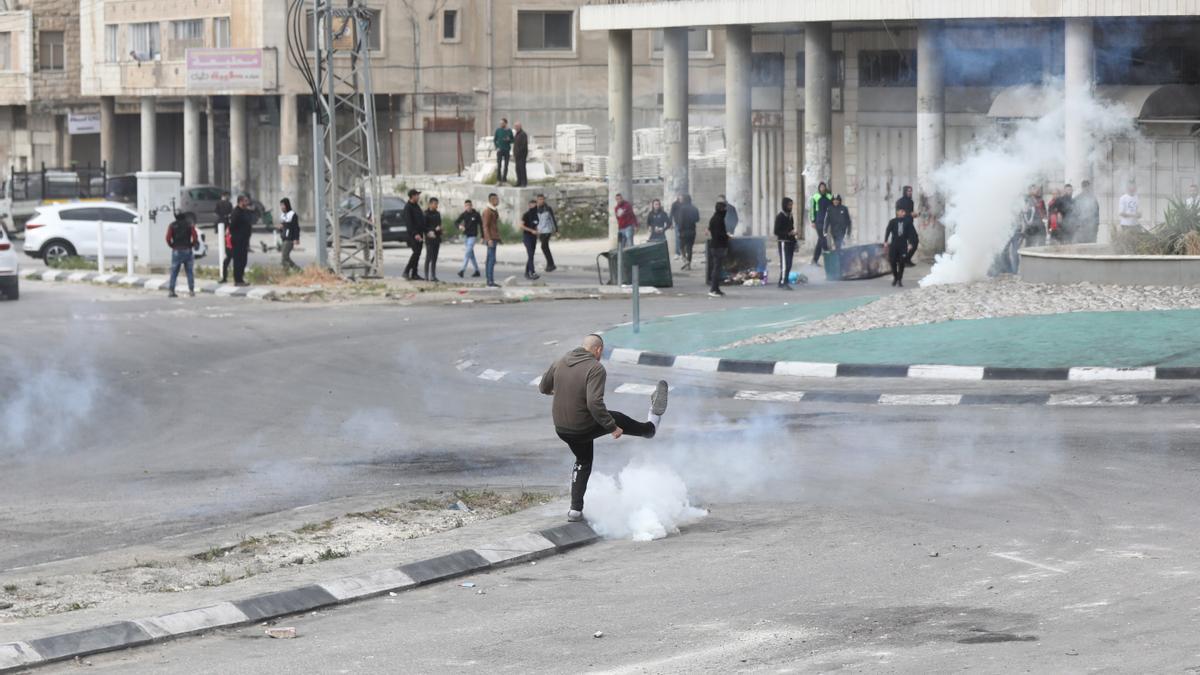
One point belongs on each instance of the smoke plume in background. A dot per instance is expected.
(985, 189)
(48, 405)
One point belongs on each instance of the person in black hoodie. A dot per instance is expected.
(785, 232)
(906, 202)
(529, 237)
(433, 238)
(900, 241)
(718, 248)
(686, 222)
(241, 228)
(414, 222)
(837, 223)
(658, 220)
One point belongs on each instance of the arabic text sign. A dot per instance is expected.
(224, 69)
(80, 123)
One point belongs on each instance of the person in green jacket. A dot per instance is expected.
(818, 205)
(503, 139)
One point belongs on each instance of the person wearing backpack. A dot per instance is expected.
(289, 229)
(182, 238)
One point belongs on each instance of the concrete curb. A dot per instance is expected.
(157, 283)
(20, 656)
(916, 371)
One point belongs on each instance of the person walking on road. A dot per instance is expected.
(433, 238)
(183, 240)
(241, 229)
(900, 240)
(469, 223)
(906, 202)
(718, 249)
(658, 221)
(626, 221)
(289, 233)
(731, 215)
(224, 210)
(689, 218)
(675, 206)
(577, 381)
(414, 223)
(837, 224)
(491, 237)
(529, 237)
(785, 233)
(520, 154)
(503, 140)
(818, 205)
(546, 228)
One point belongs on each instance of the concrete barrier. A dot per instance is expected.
(1097, 264)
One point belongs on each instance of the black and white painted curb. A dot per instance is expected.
(15, 656)
(710, 364)
(155, 283)
(1063, 400)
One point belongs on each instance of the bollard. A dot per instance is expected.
(129, 251)
(637, 302)
(221, 247)
(100, 246)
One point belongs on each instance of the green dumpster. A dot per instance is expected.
(653, 261)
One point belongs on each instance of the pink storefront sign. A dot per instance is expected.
(224, 69)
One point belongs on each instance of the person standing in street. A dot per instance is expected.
(433, 238)
(818, 205)
(626, 221)
(785, 233)
(689, 218)
(1085, 215)
(183, 240)
(224, 212)
(241, 229)
(658, 221)
(491, 237)
(520, 154)
(289, 233)
(906, 202)
(503, 140)
(529, 237)
(1128, 209)
(469, 223)
(837, 224)
(718, 249)
(414, 224)
(577, 381)
(675, 206)
(900, 240)
(731, 215)
(546, 228)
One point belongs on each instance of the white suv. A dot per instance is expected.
(10, 282)
(63, 230)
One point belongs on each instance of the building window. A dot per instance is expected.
(144, 41)
(6, 51)
(221, 32)
(993, 67)
(343, 31)
(766, 70)
(837, 66)
(698, 42)
(185, 35)
(890, 68)
(52, 50)
(545, 31)
(450, 25)
(112, 50)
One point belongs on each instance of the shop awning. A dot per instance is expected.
(1145, 103)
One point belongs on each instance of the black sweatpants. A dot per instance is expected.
(716, 267)
(582, 446)
(820, 248)
(545, 239)
(897, 257)
(787, 251)
(432, 246)
(530, 242)
(687, 241)
(226, 263)
(414, 261)
(519, 162)
(241, 254)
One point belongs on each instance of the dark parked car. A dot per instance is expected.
(394, 228)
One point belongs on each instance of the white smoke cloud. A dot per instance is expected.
(648, 500)
(985, 189)
(47, 406)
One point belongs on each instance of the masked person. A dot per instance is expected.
(785, 233)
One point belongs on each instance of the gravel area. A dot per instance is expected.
(1002, 296)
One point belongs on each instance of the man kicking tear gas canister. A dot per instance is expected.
(577, 383)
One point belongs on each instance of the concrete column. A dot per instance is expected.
(675, 112)
(108, 131)
(239, 177)
(210, 123)
(818, 108)
(149, 134)
(739, 134)
(289, 147)
(191, 141)
(65, 141)
(931, 136)
(620, 122)
(1080, 81)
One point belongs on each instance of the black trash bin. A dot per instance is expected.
(653, 261)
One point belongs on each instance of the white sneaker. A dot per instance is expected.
(658, 400)
(574, 516)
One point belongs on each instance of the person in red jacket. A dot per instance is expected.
(626, 221)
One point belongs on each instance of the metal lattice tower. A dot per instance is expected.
(346, 150)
